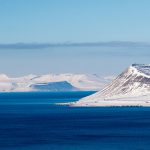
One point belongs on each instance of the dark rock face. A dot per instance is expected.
(142, 68)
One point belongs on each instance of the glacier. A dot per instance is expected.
(130, 88)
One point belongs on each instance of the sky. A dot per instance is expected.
(73, 21)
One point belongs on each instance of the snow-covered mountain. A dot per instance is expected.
(49, 82)
(81, 81)
(130, 88)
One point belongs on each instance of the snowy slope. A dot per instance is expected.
(5, 83)
(26, 83)
(81, 81)
(131, 88)
(3, 78)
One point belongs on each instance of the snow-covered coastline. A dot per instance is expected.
(130, 88)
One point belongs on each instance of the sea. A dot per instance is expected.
(32, 121)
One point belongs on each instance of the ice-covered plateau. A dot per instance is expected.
(52, 82)
(130, 88)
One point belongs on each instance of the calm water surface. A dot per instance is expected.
(32, 122)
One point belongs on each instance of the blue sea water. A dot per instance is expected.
(30, 121)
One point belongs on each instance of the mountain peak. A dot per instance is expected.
(142, 68)
(3, 77)
(131, 87)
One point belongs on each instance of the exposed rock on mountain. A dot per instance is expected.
(130, 88)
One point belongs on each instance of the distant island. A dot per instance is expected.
(52, 82)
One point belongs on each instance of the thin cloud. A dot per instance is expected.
(84, 44)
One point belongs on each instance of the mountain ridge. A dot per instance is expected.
(125, 90)
(78, 81)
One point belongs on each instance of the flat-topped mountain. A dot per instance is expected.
(130, 88)
(54, 86)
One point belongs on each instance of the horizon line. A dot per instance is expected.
(36, 45)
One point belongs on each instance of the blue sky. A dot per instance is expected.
(74, 20)
(59, 21)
